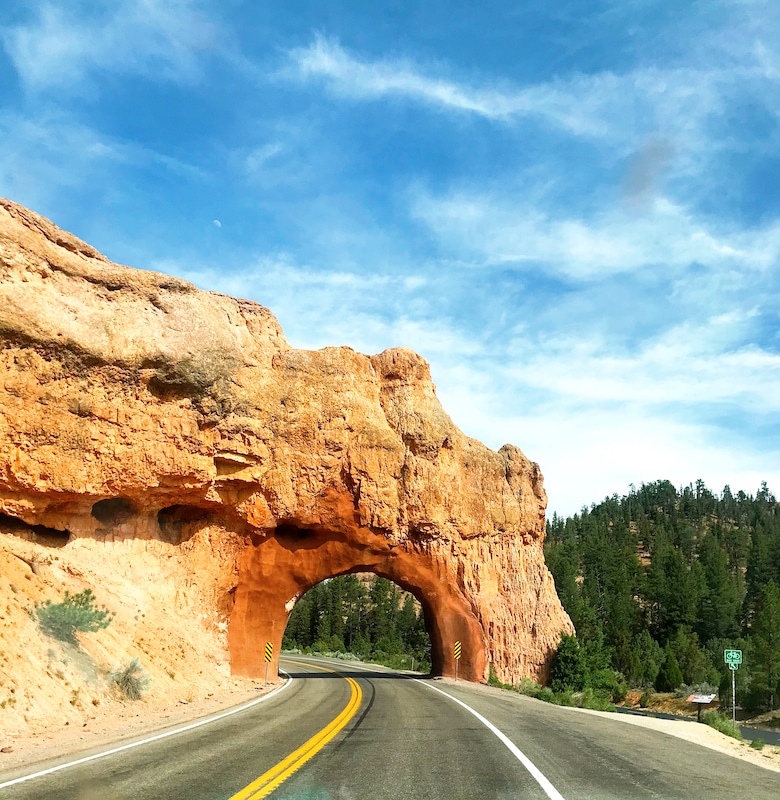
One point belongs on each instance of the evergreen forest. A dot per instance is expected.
(371, 618)
(661, 581)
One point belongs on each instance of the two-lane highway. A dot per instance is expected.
(354, 732)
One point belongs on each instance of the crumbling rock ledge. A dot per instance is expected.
(134, 406)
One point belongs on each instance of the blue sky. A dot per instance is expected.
(572, 210)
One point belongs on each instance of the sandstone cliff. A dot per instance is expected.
(175, 438)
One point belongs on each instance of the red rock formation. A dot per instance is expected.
(134, 406)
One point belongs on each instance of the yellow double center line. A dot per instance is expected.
(277, 775)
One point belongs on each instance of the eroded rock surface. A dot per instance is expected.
(135, 407)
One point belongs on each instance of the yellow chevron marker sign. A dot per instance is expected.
(269, 652)
(457, 650)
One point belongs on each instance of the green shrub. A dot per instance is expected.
(646, 699)
(567, 670)
(721, 723)
(132, 679)
(597, 701)
(76, 612)
(546, 694)
(757, 744)
(565, 699)
(670, 676)
(529, 687)
(609, 683)
(494, 681)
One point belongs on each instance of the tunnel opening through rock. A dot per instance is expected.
(277, 570)
(364, 615)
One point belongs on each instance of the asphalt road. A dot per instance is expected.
(406, 741)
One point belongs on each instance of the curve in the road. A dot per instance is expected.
(278, 774)
(536, 773)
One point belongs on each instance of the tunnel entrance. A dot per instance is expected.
(362, 615)
(277, 570)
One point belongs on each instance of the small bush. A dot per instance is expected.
(494, 681)
(597, 701)
(721, 723)
(76, 612)
(565, 699)
(132, 679)
(685, 690)
(609, 683)
(757, 744)
(646, 699)
(546, 694)
(529, 687)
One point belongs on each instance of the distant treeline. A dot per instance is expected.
(372, 618)
(660, 581)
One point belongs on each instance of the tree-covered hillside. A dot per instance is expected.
(660, 581)
(372, 618)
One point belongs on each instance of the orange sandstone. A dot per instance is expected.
(176, 435)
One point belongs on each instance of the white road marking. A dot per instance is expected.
(536, 773)
(548, 788)
(154, 738)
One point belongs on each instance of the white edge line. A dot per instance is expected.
(548, 788)
(155, 738)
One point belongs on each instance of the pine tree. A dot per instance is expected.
(669, 676)
(764, 646)
(567, 671)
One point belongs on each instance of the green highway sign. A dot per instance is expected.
(732, 657)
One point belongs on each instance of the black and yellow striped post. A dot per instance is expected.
(269, 654)
(457, 650)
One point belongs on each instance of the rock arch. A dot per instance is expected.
(280, 569)
(137, 407)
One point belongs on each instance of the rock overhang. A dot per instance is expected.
(136, 405)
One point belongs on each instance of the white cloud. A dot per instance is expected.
(604, 105)
(60, 48)
(45, 155)
(589, 447)
(596, 416)
(502, 230)
(685, 366)
(257, 159)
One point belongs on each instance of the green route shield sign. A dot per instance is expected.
(733, 658)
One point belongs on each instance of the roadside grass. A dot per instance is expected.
(589, 698)
(721, 723)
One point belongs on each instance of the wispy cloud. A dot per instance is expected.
(56, 151)
(317, 308)
(682, 366)
(60, 48)
(505, 230)
(603, 105)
